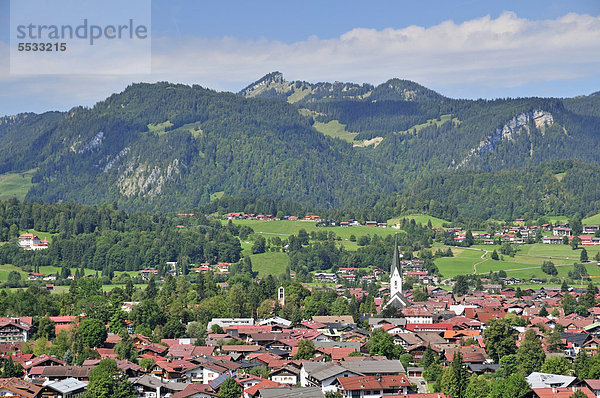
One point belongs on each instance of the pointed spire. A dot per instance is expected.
(396, 257)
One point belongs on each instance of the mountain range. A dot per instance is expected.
(167, 146)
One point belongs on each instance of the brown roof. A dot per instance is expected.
(333, 318)
(78, 372)
(21, 387)
(240, 348)
(373, 382)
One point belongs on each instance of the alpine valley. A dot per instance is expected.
(385, 149)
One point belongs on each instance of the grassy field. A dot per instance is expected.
(7, 268)
(524, 265)
(335, 129)
(273, 263)
(217, 195)
(593, 220)
(420, 218)
(159, 128)
(432, 122)
(15, 185)
(461, 264)
(285, 228)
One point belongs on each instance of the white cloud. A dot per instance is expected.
(504, 52)
(495, 54)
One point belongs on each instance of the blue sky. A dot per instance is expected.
(462, 48)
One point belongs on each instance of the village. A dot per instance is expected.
(401, 349)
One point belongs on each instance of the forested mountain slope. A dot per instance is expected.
(169, 146)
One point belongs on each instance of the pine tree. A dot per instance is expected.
(428, 357)
(583, 257)
(455, 377)
(151, 290)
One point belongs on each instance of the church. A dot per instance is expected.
(397, 299)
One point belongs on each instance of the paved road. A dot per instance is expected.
(421, 384)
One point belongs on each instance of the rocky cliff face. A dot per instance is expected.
(520, 124)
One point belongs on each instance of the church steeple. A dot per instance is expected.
(396, 258)
(396, 271)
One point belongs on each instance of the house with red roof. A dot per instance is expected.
(373, 386)
(561, 392)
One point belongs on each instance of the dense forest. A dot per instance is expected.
(106, 239)
(169, 147)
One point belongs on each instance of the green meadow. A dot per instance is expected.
(420, 219)
(15, 185)
(284, 228)
(524, 265)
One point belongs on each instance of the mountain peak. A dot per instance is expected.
(267, 86)
(274, 85)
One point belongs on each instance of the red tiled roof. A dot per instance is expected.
(561, 392)
(192, 389)
(263, 384)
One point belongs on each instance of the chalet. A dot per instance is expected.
(348, 270)
(35, 276)
(172, 369)
(562, 231)
(371, 223)
(590, 229)
(150, 386)
(323, 375)
(146, 274)
(325, 277)
(552, 240)
(373, 386)
(286, 375)
(13, 331)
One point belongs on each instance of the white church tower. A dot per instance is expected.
(397, 299)
(281, 296)
(396, 272)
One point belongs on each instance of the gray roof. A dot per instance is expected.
(322, 370)
(216, 383)
(368, 367)
(153, 382)
(482, 367)
(547, 380)
(66, 386)
(291, 392)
